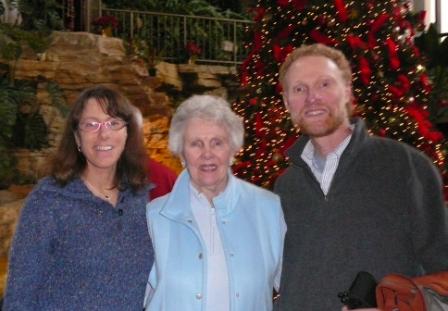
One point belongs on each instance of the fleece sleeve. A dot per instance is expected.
(429, 216)
(30, 254)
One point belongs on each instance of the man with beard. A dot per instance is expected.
(352, 201)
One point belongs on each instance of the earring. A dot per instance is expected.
(182, 162)
(79, 148)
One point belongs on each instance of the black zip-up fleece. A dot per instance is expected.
(383, 213)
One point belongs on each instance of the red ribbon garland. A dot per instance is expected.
(356, 42)
(281, 53)
(365, 70)
(392, 47)
(341, 10)
(317, 36)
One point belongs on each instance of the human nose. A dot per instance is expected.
(313, 95)
(207, 152)
(104, 129)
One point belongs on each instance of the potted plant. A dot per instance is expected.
(106, 24)
(141, 50)
(193, 51)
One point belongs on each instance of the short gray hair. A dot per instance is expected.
(205, 107)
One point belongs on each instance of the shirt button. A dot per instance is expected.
(190, 221)
(200, 255)
(237, 295)
(231, 254)
(224, 222)
(198, 296)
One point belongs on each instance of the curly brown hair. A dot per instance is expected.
(68, 163)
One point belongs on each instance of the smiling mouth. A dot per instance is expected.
(208, 167)
(103, 148)
(315, 113)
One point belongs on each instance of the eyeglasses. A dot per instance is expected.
(93, 126)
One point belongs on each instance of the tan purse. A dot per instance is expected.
(426, 293)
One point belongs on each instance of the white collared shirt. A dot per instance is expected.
(217, 291)
(324, 175)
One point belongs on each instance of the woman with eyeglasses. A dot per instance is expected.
(82, 241)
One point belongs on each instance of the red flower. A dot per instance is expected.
(283, 3)
(259, 14)
(299, 4)
(435, 136)
(281, 53)
(278, 88)
(317, 36)
(356, 42)
(284, 34)
(404, 83)
(396, 92)
(258, 41)
(287, 143)
(253, 101)
(394, 61)
(424, 80)
(366, 72)
(106, 21)
(259, 68)
(193, 49)
(342, 10)
(244, 78)
(401, 87)
(379, 22)
(425, 128)
(382, 132)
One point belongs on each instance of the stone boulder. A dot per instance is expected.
(76, 60)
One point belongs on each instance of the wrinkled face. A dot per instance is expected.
(103, 147)
(207, 153)
(317, 96)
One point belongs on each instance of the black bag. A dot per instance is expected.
(361, 293)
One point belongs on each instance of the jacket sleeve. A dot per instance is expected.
(429, 216)
(281, 238)
(30, 254)
(152, 278)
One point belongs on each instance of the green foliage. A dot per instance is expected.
(435, 49)
(22, 124)
(187, 7)
(12, 41)
(7, 167)
(30, 131)
(13, 38)
(41, 15)
(57, 98)
(9, 99)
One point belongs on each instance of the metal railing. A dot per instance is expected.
(220, 39)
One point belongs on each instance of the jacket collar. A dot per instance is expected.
(177, 206)
(359, 137)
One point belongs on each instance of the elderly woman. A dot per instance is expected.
(82, 241)
(218, 240)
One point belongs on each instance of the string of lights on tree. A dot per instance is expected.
(390, 82)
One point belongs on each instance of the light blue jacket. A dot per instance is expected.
(252, 228)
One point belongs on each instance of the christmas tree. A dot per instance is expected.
(390, 83)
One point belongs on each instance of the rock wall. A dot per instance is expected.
(76, 60)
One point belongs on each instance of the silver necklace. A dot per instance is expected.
(96, 191)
